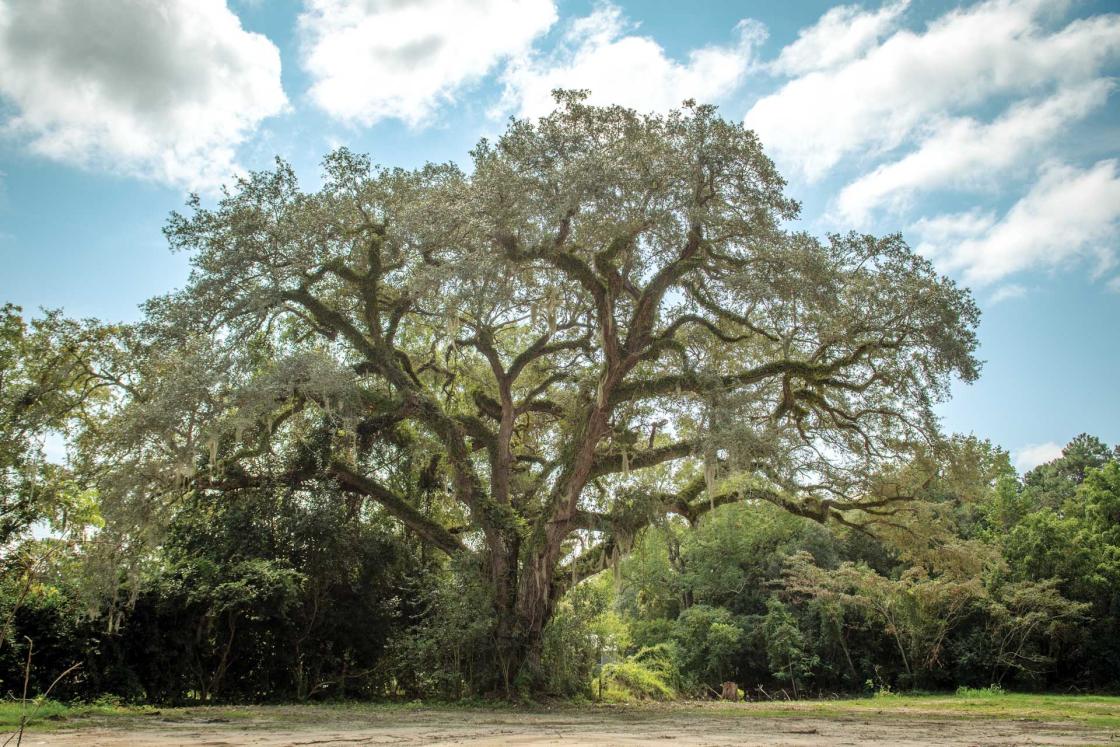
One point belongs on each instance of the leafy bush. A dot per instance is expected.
(632, 680)
(447, 652)
(709, 641)
(580, 632)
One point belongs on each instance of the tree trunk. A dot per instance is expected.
(524, 600)
(521, 648)
(508, 646)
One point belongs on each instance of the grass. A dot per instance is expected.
(51, 714)
(1098, 711)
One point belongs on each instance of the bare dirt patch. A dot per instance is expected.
(729, 725)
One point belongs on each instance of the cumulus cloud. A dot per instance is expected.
(599, 53)
(842, 34)
(1069, 214)
(376, 59)
(163, 90)
(873, 101)
(1032, 455)
(965, 153)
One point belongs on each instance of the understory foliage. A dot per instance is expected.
(261, 597)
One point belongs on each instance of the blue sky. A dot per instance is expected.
(988, 133)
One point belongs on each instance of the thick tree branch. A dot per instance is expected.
(609, 464)
(431, 532)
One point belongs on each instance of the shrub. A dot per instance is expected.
(632, 680)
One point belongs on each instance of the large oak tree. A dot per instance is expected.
(605, 320)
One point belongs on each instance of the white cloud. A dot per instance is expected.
(1007, 292)
(1069, 214)
(842, 34)
(164, 90)
(377, 59)
(940, 230)
(1032, 455)
(617, 67)
(874, 102)
(965, 153)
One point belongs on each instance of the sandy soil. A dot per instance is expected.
(435, 727)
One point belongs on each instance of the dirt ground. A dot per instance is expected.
(568, 727)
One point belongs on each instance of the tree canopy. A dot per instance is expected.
(606, 319)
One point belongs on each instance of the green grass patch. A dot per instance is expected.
(49, 715)
(46, 714)
(1102, 712)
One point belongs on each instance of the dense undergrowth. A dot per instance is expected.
(272, 599)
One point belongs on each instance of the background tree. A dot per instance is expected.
(1069, 535)
(785, 645)
(52, 376)
(604, 321)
